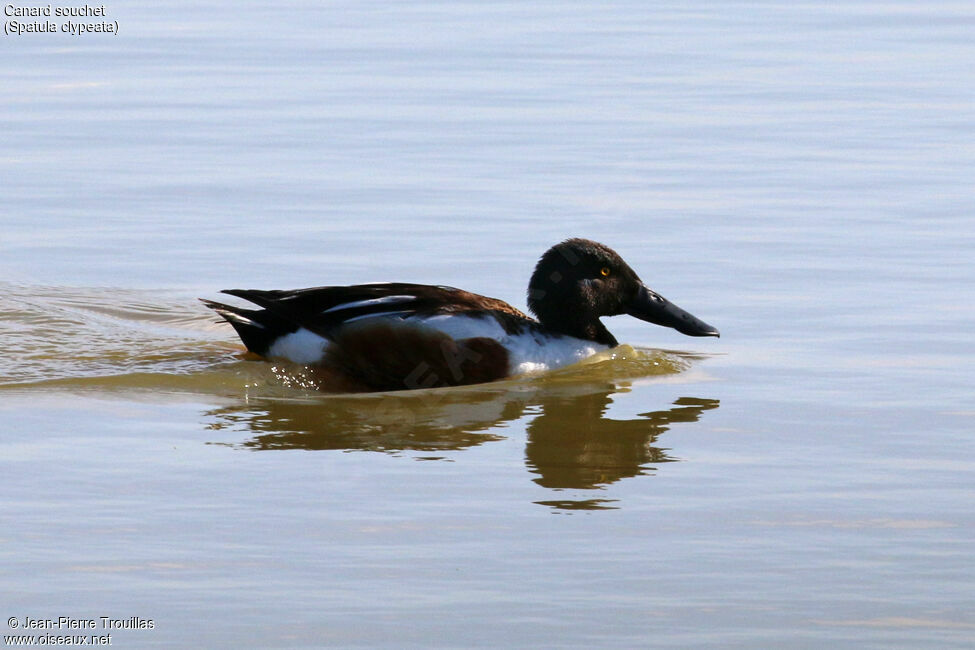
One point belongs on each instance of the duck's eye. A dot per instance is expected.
(604, 271)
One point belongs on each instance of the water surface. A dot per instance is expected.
(799, 176)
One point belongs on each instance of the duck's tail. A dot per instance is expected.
(257, 328)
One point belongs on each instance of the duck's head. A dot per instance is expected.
(580, 280)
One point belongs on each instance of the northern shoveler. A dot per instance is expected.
(394, 336)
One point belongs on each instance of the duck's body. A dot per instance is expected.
(394, 336)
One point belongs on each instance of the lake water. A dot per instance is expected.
(800, 175)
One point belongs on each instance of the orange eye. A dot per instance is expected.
(604, 271)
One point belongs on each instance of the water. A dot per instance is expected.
(799, 176)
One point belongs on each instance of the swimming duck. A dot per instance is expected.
(394, 336)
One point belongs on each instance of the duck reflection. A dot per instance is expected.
(571, 443)
(418, 421)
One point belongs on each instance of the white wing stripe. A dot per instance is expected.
(381, 314)
(370, 301)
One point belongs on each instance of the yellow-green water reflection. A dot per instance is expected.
(571, 442)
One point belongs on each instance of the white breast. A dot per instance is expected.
(531, 355)
(530, 352)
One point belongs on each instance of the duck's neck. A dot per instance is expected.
(586, 329)
(551, 299)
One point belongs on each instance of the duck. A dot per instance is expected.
(398, 336)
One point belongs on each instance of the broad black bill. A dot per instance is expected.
(650, 306)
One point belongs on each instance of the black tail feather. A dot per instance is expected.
(257, 328)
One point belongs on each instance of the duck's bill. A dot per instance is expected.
(650, 306)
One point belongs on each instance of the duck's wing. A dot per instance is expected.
(382, 336)
(324, 310)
